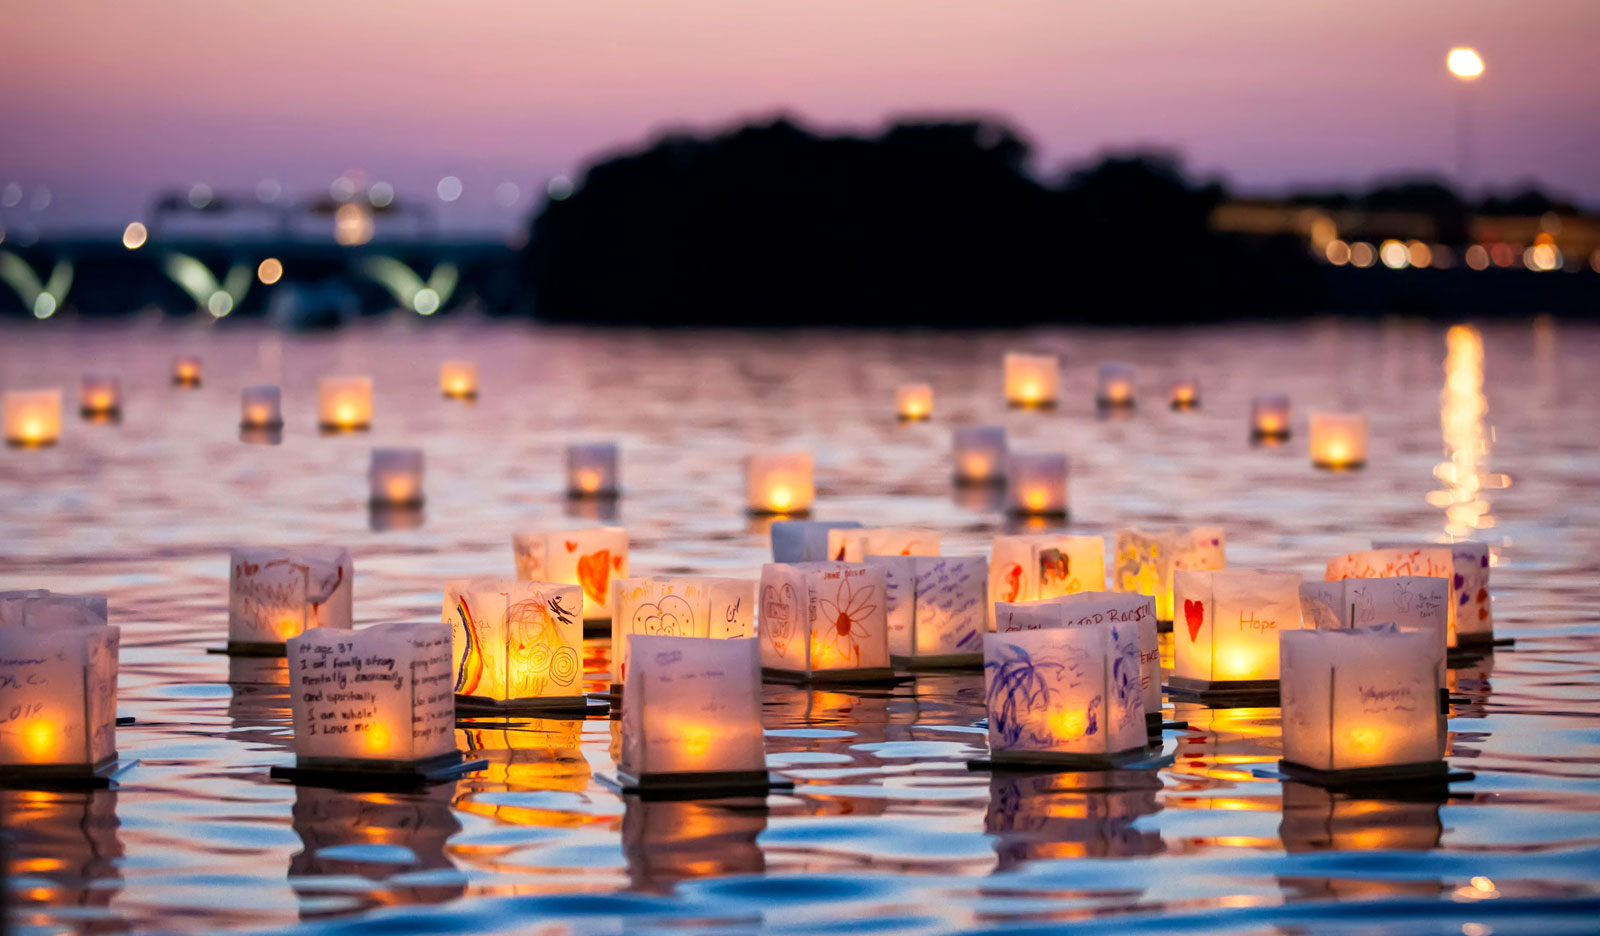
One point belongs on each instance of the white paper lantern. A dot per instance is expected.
(592, 470)
(378, 698)
(1185, 393)
(778, 483)
(515, 645)
(1044, 565)
(979, 453)
(32, 417)
(344, 403)
(1036, 483)
(1471, 614)
(1363, 700)
(187, 370)
(1338, 440)
(821, 621)
(854, 544)
(1144, 560)
(1114, 385)
(1093, 609)
(275, 594)
(1064, 696)
(1225, 638)
(590, 558)
(913, 402)
(805, 540)
(935, 608)
(99, 395)
(679, 606)
(1269, 417)
(1427, 560)
(1032, 380)
(261, 407)
(58, 685)
(458, 379)
(1407, 603)
(396, 477)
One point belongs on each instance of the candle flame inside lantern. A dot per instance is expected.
(1269, 423)
(1237, 663)
(1365, 739)
(377, 739)
(974, 465)
(588, 480)
(1031, 392)
(696, 740)
(40, 739)
(1037, 499)
(398, 488)
(288, 627)
(1118, 391)
(258, 413)
(780, 498)
(1069, 725)
(1183, 394)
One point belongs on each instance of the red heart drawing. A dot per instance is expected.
(1194, 614)
(616, 562)
(571, 546)
(594, 574)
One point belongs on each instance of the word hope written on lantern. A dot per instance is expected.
(1032, 380)
(187, 371)
(275, 594)
(58, 684)
(778, 483)
(261, 407)
(693, 715)
(935, 608)
(679, 606)
(1227, 627)
(1096, 608)
(913, 402)
(32, 417)
(515, 641)
(592, 470)
(1269, 417)
(344, 404)
(458, 380)
(1036, 483)
(99, 395)
(590, 558)
(395, 477)
(824, 620)
(979, 453)
(1114, 385)
(1338, 440)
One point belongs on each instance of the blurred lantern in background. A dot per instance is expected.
(32, 417)
(1036, 483)
(778, 483)
(1185, 393)
(913, 402)
(395, 477)
(1032, 380)
(186, 371)
(1114, 386)
(458, 380)
(344, 404)
(1338, 440)
(980, 454)
(1269, 417)
(592, 470)
(99, 396)
(261, 407)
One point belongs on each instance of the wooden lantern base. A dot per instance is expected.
(1163, 627)
(700, 784)
(1225, 694)
(63, 776)
(333, 429)
(1428, 773)
(580, 706)
(935, 662)
(1053, 761)
(874, 676)
(1023, 513)
(242, 648)
(1339, 466)
(352, 773)
(1031, 405)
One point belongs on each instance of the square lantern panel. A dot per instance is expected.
(1036, 484)
(459, 379)
(591, 558)
(1362, 703)
(592, 470)
(1044, 565)
(913, 402)
(32, 417)
(516, 645)
(395, 477)
(678, 606)
(58, 687)
(99, 395)
(1226, 637)
(1338, 440)
(936, 611)
(1426, 561)
(261, 407)
(805, 540)
(1408, 603)
(1032, 380)
(856, 544)
(1064, 697)
(979, 453)
(778, 483)
(275, 594)
(1145, 560)
(1095, 608)
(824, 622)
(1472, 617)
(344, 403)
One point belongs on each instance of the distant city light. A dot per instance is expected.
(11, 195)
(1443, 257)
(1594, 260)
(219, 304)
(1542, 257)
(1502, 254)
(1464, 63)
(1478, 257)
(1362, 254)
(507, 194)
(559, 188)
(134, 235)
(268, 191)
(40, 200)
(352, 225)
(44, 306)
(381, 194)
(1418, 254)
(449, 188)
(343, 189)
(1337, 252)
(200, 195)
(270, 271)
(1394, 255)
(426, 301)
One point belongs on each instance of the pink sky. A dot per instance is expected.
(104, 103)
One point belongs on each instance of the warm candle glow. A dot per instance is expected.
(1269, 417)
(778, 482)
(1185, 394)
(1465, 63)
(1338, 440)
(458, 379)
(41, 741)
(592, 470)
(396, 476)
(344, 403)
(378, 739)
(1037, 499)
(980, 453)
(99, 395)
(914, 402)
(780, 498)
(186, 371)
(1114, 385)
(588, 480)
(32, 417)
(1036, 483)
(1031, 379)
(261, 407)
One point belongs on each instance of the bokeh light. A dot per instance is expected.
(134, 235)
(1337, 252)
(1418, 254)
(352, 225)
(200, 195)
(449, 188)
(1478, 257)
(559, 188)
(381, 194)
(1362, 255)
(1464, 63)
(507, 194)
(426, 301)
(269, 271)
(44, 306)
(219, 304)
(268, 191)
(1394, 255)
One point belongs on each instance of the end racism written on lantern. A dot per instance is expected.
(58, 686)
(590, 558)
(824, 622)
(1225, 641)
(935, 609)
(517, 646)
(1093, 609)
(678, 606)
(275, 594)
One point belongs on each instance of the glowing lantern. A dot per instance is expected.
(186, 371)
(589, 558)
(824, 621)
(261, 407)
(1114, 385)
(344, 404)
(1362, 702)
(854, 544)
(1225, 639)
(1036, 483)
(1144, 562)
(32, 417)
(1032, 380)
(679, 606)
(804, 540)
(1185, 393)
(58, 685)
(913, 402)
(980, 454)
(1067, 697)
(592, 470)
(375, 700)
(395, 477)
(99, 395)
(1338, 440)
(275, 594)
(1471, 617)
(1409, 603)
(935, 609)
(517, 646)
(458, 380)
(1044, 565)
(778, 483)
(693, 717)
(1269, 417)
(1093, 609)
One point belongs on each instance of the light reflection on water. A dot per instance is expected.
(887, 828)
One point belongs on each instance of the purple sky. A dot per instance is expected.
(104, 103)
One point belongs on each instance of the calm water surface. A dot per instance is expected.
(887, 831)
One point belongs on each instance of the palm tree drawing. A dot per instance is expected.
(1017, 685)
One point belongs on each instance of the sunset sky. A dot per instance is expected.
(106, 103)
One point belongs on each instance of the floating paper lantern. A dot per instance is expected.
(32, 417)
(275, 594)
(58, 685)
(805, 540)
(261, 407)
(375, 700)
(458, 379)
(778, 483)
(980, 454)
(1036, 483)
(99, 395)
(1144, 561)
(1065, 697)
(186, 371)
(913, 402)
(589, 558)
(1362, 702)
(516, 645)
(1269, 417)
(344, 404)
(1044, 565)
(935, 609)
(1338, 440)
(395, 477)
(592, 470)
(1428, 560)
(679, 606)
(824, 621)
(1409, 603)
(693, 717)
(1185, 393)
(1032, 380)
(1114, 385)
(1225, 639)
(854, 544)
(1471, 614)
(1093, 609)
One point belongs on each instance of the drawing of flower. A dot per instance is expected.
(841, 619)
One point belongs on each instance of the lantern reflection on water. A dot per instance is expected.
(824, 621)
(979, 453)
(1032, 380)
(778, 483)
(63, 858)
(1043, 817)
(590, 558)
(58, 686)
(32, 417)
(1226, 636)
(680, 606)
(666, 843)
(516, 646)
(275, 594)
